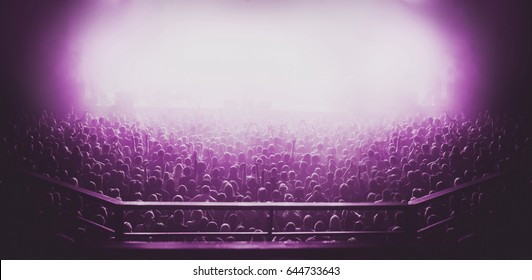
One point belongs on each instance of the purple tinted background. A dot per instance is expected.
(491, 40)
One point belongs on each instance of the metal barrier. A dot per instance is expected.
(119, 209)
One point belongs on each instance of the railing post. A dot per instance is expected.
(119, 223)
(411, 223)
(270, 225)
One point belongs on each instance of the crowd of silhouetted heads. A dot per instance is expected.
(207, 160)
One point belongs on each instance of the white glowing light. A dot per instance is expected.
(296, 57)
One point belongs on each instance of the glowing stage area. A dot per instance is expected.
(311, 56)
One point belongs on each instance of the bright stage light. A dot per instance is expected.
(311, 57)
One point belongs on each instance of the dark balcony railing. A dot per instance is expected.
(412, 209)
